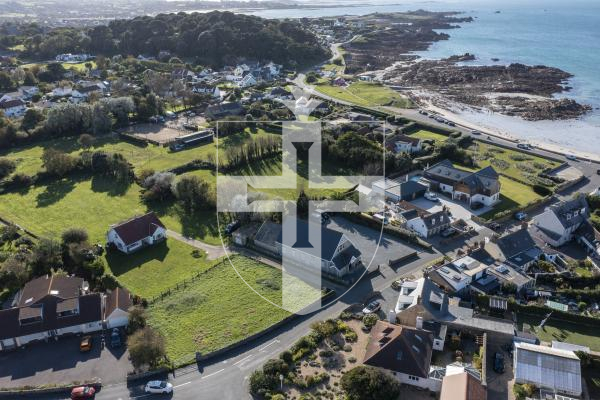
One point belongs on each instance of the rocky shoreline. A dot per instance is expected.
(515, 90)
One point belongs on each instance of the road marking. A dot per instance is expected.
(270, 344)
(214, 373)
(183, 384)
(242, 360)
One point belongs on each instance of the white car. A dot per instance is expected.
(431, 196)
(158, 387)
(571, 157)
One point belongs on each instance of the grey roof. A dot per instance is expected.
(330, 239)
(436, 219)
(572, 212)
(484, 179)
(516, 243)
(410, 214)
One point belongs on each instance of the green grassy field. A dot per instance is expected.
(80, 66)
(151, 270)
(560, 330)
(512, 195)
(218, 309)
(365, 94)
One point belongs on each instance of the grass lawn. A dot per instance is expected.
(428, 135)
(560, 330)
(218, 309)
(151, 270)
(512, 195)
(365, 94)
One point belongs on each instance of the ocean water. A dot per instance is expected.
(558, 33)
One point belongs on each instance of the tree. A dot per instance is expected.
(7, 167)
(137, 319)
(261, 383)
(86, 140)
(45, 256)
(31, 119)
(369, 383)
(146, 347)
(74, 235)
(370, 320)
(57, 163)
(6, 82)
(193, 193)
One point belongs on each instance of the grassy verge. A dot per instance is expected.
(219, 309)
(365, 94)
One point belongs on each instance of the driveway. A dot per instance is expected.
(61, 362)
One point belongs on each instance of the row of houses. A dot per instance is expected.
(53, 306)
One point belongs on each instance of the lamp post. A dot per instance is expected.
(281, 380)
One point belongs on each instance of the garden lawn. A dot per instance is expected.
(155, 269)
(513, 195)
(218, 309)
(94, 204)
(365, 94)
(554, 329)
(428, 135)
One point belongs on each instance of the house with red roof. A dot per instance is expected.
(134, 234)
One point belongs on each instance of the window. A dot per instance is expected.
(413, 378)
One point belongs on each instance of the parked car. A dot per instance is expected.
(450, 123)
(86, 344)
(372, 307)
(448, 232)
(477, 205)
(431, 196)
(498, 363)
(495, 226)
(83, 392)
(158, 387)
(598, 171)
(520, 216)
(524, 146)
(232, 227)
(115, 338)
(396, 285)
(475, 133)
(571, 157)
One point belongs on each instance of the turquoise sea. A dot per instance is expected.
(558, 33)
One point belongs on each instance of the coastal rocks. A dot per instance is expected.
(514, 89)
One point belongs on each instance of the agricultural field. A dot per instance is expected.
(365, 94)
(154, 269)
(218, 309)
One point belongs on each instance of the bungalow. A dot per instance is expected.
(116, 309)
(404, 352)
(482, 186)
(13, 108)
(138, 232)
(559, 222)
(339, 257)
(49, 307)
(427, 225)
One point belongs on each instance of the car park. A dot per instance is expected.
(83, 392)
(161, 387)
(372, 307)
(86, 344)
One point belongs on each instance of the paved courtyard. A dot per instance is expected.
(62, 362)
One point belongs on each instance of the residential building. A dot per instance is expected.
(280, 93)
(136, 233)
(62, 91)
(508, 275)
(395, 190)
(482, 186)
(224, 110)
(556, 370)
(457, 276)
(339, 257)
(559, 222)
(116, 308)
(206, 88)
(405, 144)
(427, 225)
(359, 117)
(68, 57)
(247, 81)
(13, 108)
(517, 248)
(49, 307)
(84, 92)
(404, 352)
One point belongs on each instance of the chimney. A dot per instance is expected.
(419, 322)
(524, 226)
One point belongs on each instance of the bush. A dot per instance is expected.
(522, 391)
(369, 383)
(347, 348)
(260, 383)
(287, 356)
(7, 167)
(542, 190)
(351, 359)
(370, 320)
(351, 336)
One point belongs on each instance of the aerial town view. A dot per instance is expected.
(293, 200)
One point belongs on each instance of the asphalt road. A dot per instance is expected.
(226, 377)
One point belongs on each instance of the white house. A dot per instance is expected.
(556, 370)
(558, 223)
(426, 225)
(136, 233)
(84, 92)
(404, 352)
(116, 308)
(13, 108)
(49, 307)
(62, 91)
(68, 57)
(247, 81)
(405, 144)
(207, 89)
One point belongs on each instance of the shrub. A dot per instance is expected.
(523, 391)
(347, 348)
(351, 336)
(345, 315)
(370, 319)
(542, 190)
(287, 356)
(351, 359)
(260, 383)
(368, 383)
(7, 166)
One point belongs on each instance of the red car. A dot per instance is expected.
(83, 392)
